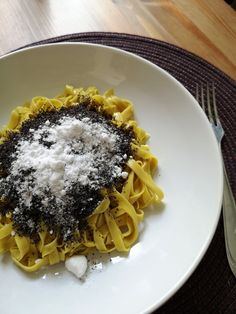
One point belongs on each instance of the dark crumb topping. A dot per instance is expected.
(53, 172)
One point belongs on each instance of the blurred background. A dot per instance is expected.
(204, 27)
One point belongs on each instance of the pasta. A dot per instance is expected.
(113, 225)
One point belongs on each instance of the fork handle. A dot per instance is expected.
(229, 214)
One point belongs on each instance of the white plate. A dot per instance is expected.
(175, 238)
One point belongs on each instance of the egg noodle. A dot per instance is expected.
(113, 228)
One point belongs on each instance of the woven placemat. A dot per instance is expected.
(212, 287)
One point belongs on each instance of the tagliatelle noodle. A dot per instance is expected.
(113, 228)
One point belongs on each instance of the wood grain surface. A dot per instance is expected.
(205, 27)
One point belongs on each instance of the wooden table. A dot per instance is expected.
(205, 27)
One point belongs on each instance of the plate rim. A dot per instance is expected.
(204, 247)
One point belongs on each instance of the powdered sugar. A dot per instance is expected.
(77, 148)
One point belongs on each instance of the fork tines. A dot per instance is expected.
(206, 99)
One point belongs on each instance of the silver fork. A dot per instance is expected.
(229, 209)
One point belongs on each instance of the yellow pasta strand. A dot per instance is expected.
(145, 177)
(114, 224)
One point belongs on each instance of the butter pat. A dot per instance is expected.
(77, 265)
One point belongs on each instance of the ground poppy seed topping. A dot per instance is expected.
(53, 171)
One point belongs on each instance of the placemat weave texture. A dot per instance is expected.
(212, 287)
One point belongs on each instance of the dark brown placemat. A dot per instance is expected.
(212, 287)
